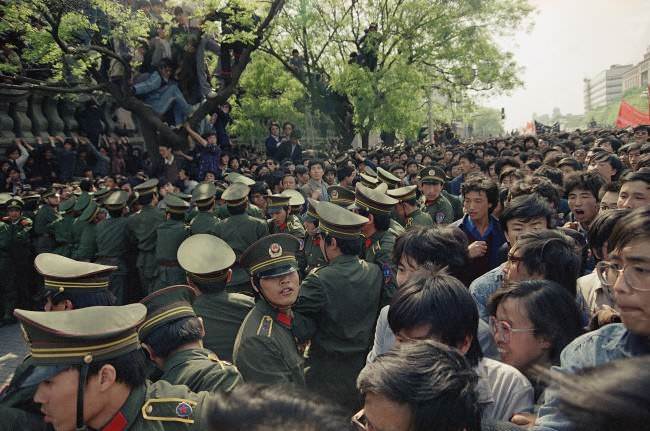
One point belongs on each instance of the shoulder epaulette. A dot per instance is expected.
(169, 410)
(376, 247)
(316, 269)
(266, 326)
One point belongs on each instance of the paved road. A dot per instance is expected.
(12, 351)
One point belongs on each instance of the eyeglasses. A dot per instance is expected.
(635, 276)
(359, 420)
(503, 328)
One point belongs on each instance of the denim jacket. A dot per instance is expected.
(607, 344)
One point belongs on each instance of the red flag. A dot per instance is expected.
(628, 115)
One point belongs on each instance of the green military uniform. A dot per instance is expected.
(78, 226)
(387, 178)
(341, 196)
(100, 334)
(87, 249)
(368, 180)
(142, 229)
(7, 291)
(18, 277)
(456, 204)
(46, 214)
(100, 195)
(206, 260)
(239, 231)
(292, 224)
(378, 247)
(337, 310)
(62, 227)
(440, 209)
(416, 217)
(311, 249)
(197, 368)
(205, 220)
(265, 349)
(112, 236)
(169, 236)
(252, 210)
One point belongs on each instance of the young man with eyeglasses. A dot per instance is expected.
(627, 272)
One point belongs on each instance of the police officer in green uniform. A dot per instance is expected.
(142, 229)
(281, 221)
(172, 337)
(18, 276)
(68, 285)
(368, 180)
(46, 214)
(100, 195)
(78, 226)
(87, 249)
(7, 294)
(207, 260)
(62, 227)
(432, 182)
(296, 202)
(169, 236)
(338, 306)
(90, 372)
(191, 212)
(112, 236)
(408, 208)
(252, 210)
(239, 231)
(205, 220)
(265, 349)
(311, 248)
(378, 236)
(387, 178)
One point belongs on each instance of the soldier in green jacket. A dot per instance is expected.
(205, 220)
(172, 337)
(142, 229)
(432, 181)
(207, 260)
(112, 236)
(311, 249)
(408, 208)
(78, 226)
(46, 215)
(281, 221)
(169, 236)
(265, 349)
(7, 293)
(87, 249)
(378, 236)
(19, 276)
(338, 306)
(62, 227)
(388, 178)
(239, 231)
(69, 351)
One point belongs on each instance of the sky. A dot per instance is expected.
(571, 40)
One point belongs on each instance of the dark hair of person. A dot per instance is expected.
(503, 162)
(633, 226)
(552, 254)
(438, 245)
(570, 161)
(145, 199)
(601, 229)
(553, 174)
(115, 213)
(176, 216)
(170, 336)
(534, 165)
(643, 162)
(640, 175)
(613, 187)
(611, 397)
(551, 309)
(526, 208)
(300, 170)
(86, 185)
(480, 183)
(237, 210)
(315, 162)
(350, 247)
(540, 186)
(515, 173)
(469, 156)
(441, 301)
(260, 408)
(83, 300)
(590, 181)
(613, 160)
(130, 368)
(343, 172)
(434, 380)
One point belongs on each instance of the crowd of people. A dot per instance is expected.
(459, 286)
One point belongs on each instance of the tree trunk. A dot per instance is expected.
(365, 139)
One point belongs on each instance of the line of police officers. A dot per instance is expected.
(201, 269)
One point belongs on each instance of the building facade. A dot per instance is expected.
(637, 76)
(605, 87)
